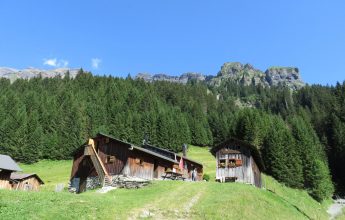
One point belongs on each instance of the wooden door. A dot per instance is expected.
(82, 185)
(155, 169)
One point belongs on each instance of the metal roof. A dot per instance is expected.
(187, 158)
(172, 153)
(137, 148)
(7, 163)
(21, 176)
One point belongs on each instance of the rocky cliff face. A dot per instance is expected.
(184, 78)
(286, 76)
(244, 74)
(13, 74)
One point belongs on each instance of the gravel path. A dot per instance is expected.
(336, 208)
(176, 203)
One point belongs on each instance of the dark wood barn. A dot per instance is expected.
(105, 157)
(28, 182)
(7, 166)
(238, 161)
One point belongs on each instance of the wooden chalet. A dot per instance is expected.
(28, 182)
(238, 161)
(7, 166)
(104, 157)
(9, 179)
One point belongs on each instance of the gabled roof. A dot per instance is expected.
(253, 149)
(152, 150)
(138, 148)
(7, 163)
(159, 150)
(187, 158)
(167, 152)
(23, 176)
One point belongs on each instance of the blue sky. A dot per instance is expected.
(121, 37)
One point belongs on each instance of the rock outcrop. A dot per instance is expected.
(244, 74)
(239, 73)
(184, 78)
(284, 76)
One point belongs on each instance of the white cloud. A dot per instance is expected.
(95, 62)
(50, 62)
(54, 62)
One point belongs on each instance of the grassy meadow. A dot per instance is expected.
(159, 200)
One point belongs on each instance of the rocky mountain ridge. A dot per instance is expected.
(244, 74)
(29, 73)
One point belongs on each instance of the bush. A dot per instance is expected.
(206, 177)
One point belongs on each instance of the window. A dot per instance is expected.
(110, 159)
(139, 161)
(222, 163)
(234, 163)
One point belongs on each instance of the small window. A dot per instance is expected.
(222, 163)
(139, 161)
(234, 163)
(110, 159)
(106, 140)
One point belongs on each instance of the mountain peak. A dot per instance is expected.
(244, 74)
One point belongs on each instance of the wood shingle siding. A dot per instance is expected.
(5, 179)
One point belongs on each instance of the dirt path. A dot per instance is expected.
(336, 208)
(174, 204)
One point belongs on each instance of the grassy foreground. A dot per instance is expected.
(342, 216)
(160, 200)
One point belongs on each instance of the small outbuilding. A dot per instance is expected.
(28, 182)
(7, 166)
(9, 179)
(238, 161)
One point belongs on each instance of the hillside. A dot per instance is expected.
(298, 132)
(162, 199)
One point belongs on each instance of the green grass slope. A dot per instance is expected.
(160, 200)
(51, 172)
(342, 216)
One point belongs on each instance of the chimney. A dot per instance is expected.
(184, 150)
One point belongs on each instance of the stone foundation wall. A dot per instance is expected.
(92, 182)
(123, 181)
(118, 181)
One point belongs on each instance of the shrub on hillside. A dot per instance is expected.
(206, 177)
